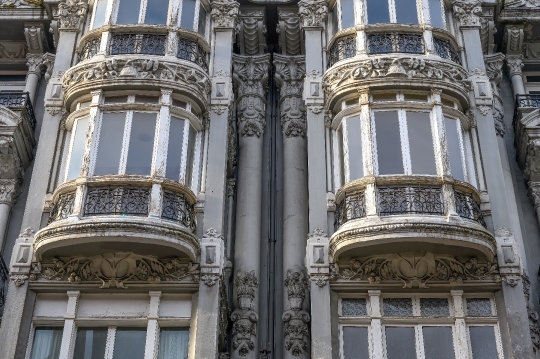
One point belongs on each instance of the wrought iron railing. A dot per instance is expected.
(468, 207)
(352, 206)
(125, 200)
(342, 48)
(410, 199)
(150, 44)
(523, 101)
(4, 275)
(446, 50)
(190, 50)
(176, 207)
(89, 49)
(18, 100)
(62, 208)
(393, 42)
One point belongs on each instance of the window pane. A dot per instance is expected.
(147, 99)
(397, 307)
(355, 343)
(335, 26)
(354, 139)
(141, 144)
(77, 148)
(347, 13)
(188, 13)
(353, 307)
(421, 143)
(342, 158)
(129, 343)
(190, 156)
(90, 343)
(110, 143)
(388, 143)
(156, 12)
(435, 11)
(406, 11)
(47, 343)
(128, 12)
(483, 343)
(174, 150)
(434, 307)
(438, 343)
(115, 99)
(479, 307)
(454, 151)
(378, 11)
(400, 343)
(173, 343)
(99, 15)
(202, 21)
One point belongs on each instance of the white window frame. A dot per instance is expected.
(195, 16)
(460, 132)
(72, 142)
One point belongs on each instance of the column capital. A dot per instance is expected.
(534, 193)
(514, 64)
(225, 14)
(34, 63)
(312, 13)
(468, 11)
(9, 191)
(494, 64)
(71, 14)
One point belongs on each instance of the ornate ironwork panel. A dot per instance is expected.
(342, 48)
(389, 43)
(409, 199)
(4, 275)
(150, 44)
(353, 206)
(445, 50)
(117, 201)
(176, 207)
(190, 50)
(468, 207)
(62, 208)
(90, 49)
(18, 100)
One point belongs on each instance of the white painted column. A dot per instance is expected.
(9, 190)
(377, 336)
(461, 336)
(70, 329)
(152, 328)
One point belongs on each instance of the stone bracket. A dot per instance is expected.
(23, 253)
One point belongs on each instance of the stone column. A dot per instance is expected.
(9, 190)
(34, 63)
(70, 17)
(250, 77)
(467, 12)
(289, 74)
(514, 64)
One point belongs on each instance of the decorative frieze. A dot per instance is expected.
(245, 318)
(71, 14)
(225, 14)
(20, 3)
(296, 320)
(312, 13)
(468, 11)
(289, 74)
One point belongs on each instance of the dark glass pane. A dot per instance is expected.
(156, 12)
(188, 14)
(47, 343)
(147, 99)
(388, 143)
(174, 150)
(128, 12)
(454, 150)
(129, 343)
(110, 144)
(438, 343)
(354, 140)
(406, 11)
(435, 11)
(77, 148)
(483, 343)
(141, 144)
(99, 15)
(355, 343)
(90, 343)
(335, 25)
(115, 99)
(421, 143)
(378, 11)
(347, 13)
(173, 343)
(400, 343)
(340, 151)
(202, 21)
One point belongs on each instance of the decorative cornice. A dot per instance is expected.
(225, 14)
(312, 13)
(71, 14)
(468, 12)
(289, 75)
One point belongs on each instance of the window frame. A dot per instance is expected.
(69, 154)
(421, 10)
(142, 12)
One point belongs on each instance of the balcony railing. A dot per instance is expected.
(468, 207)
(342, 48)
(190, 50)
(353, 206)
(89, 49)
(124, 200)
(18, 101)
(176, 207)
(150, 44)
(395, 43)
(446, 50)
(62, 208)
(524, 101)
(409, 199)
(4, 275)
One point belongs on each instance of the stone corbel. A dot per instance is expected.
(317, 257)
(252, 31)
(482, 90)
(468, 12)
(508, 257)
(513, 37)
(212, 257)
(35, 37)
(21, 259)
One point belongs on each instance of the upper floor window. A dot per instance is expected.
(403, 12)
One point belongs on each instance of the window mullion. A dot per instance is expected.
(179, 13)
(196, 163)
(461, 150)
(374, 144)
(185, 144)
(114, 10)
(109, 346)
(125, 143)
(404, 134)
(338, 8)
(419, 342)
(196, 19)
(337, 161)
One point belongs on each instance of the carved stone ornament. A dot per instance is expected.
(534, 188)
(514, 64)
(34, 63)
(9, 190)
(312, 12)
(225, 14)
(20, 3)
(232, 154)
(220, 108)
(533, 315)
(521, 3)
(289, 74)
(223, 312)
(511, 280)
(212, 233)
(245, 319)
(316, 109)
(296, 320)
(417, 269)
(328, 117)
(484, 110)
(116, 268)
(468, 11)
(18, 279)
(53, 110)
(70, 14)
(210, 279)
(320, 279)
(250, 75)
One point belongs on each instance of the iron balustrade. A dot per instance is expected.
(117, 200)
(352, 206)
(446, 50)
(62, 208)
(4, 275)
(410, 199)
(19, 100)
(523, 101)
(89, 49)
(468, 207)
(342, 48)
(176, 207)
(395, 43)
(190, 50)
(150, 44)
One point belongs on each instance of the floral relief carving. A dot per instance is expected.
(71, 13)
(312, 12)
(245, 318)
(296, 320)
(9, 190)
(468, 11)
(18, 279)
(225, 13)
(289, 74)
(515, 64)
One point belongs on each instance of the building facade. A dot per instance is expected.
(269, 179)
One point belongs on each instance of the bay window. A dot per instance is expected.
(404, 12)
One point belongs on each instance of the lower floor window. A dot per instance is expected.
(90, 343)
(129, 343)
(173, 343)
(47, 343)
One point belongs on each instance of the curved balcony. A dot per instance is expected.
(120, 213)
(409, 213)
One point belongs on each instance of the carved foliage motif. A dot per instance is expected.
(71, 13)
(416, 269)
(20, 3)
(290, 72)
(468, 11)
(494, 66)
(515, 64)
(225, 13)
(245, 318)
(117, 269)
(312, 12)
(296, 320)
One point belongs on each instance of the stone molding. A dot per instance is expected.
(296, 330)
(19, 4)
(468, 12)
(71, 14)
(535, 4)
(225, 14)
(245, 318)
(313, 13)
(514, 65)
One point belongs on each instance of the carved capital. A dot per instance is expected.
(34, 63)
(328, 117)
(514, 64)
(296, 320)
(494, 64)
(9, 191)
(231, 183)
(534, 193)
(225, 14)
(289, 75)
(468, 11)
(312, 12)
(71, 14)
